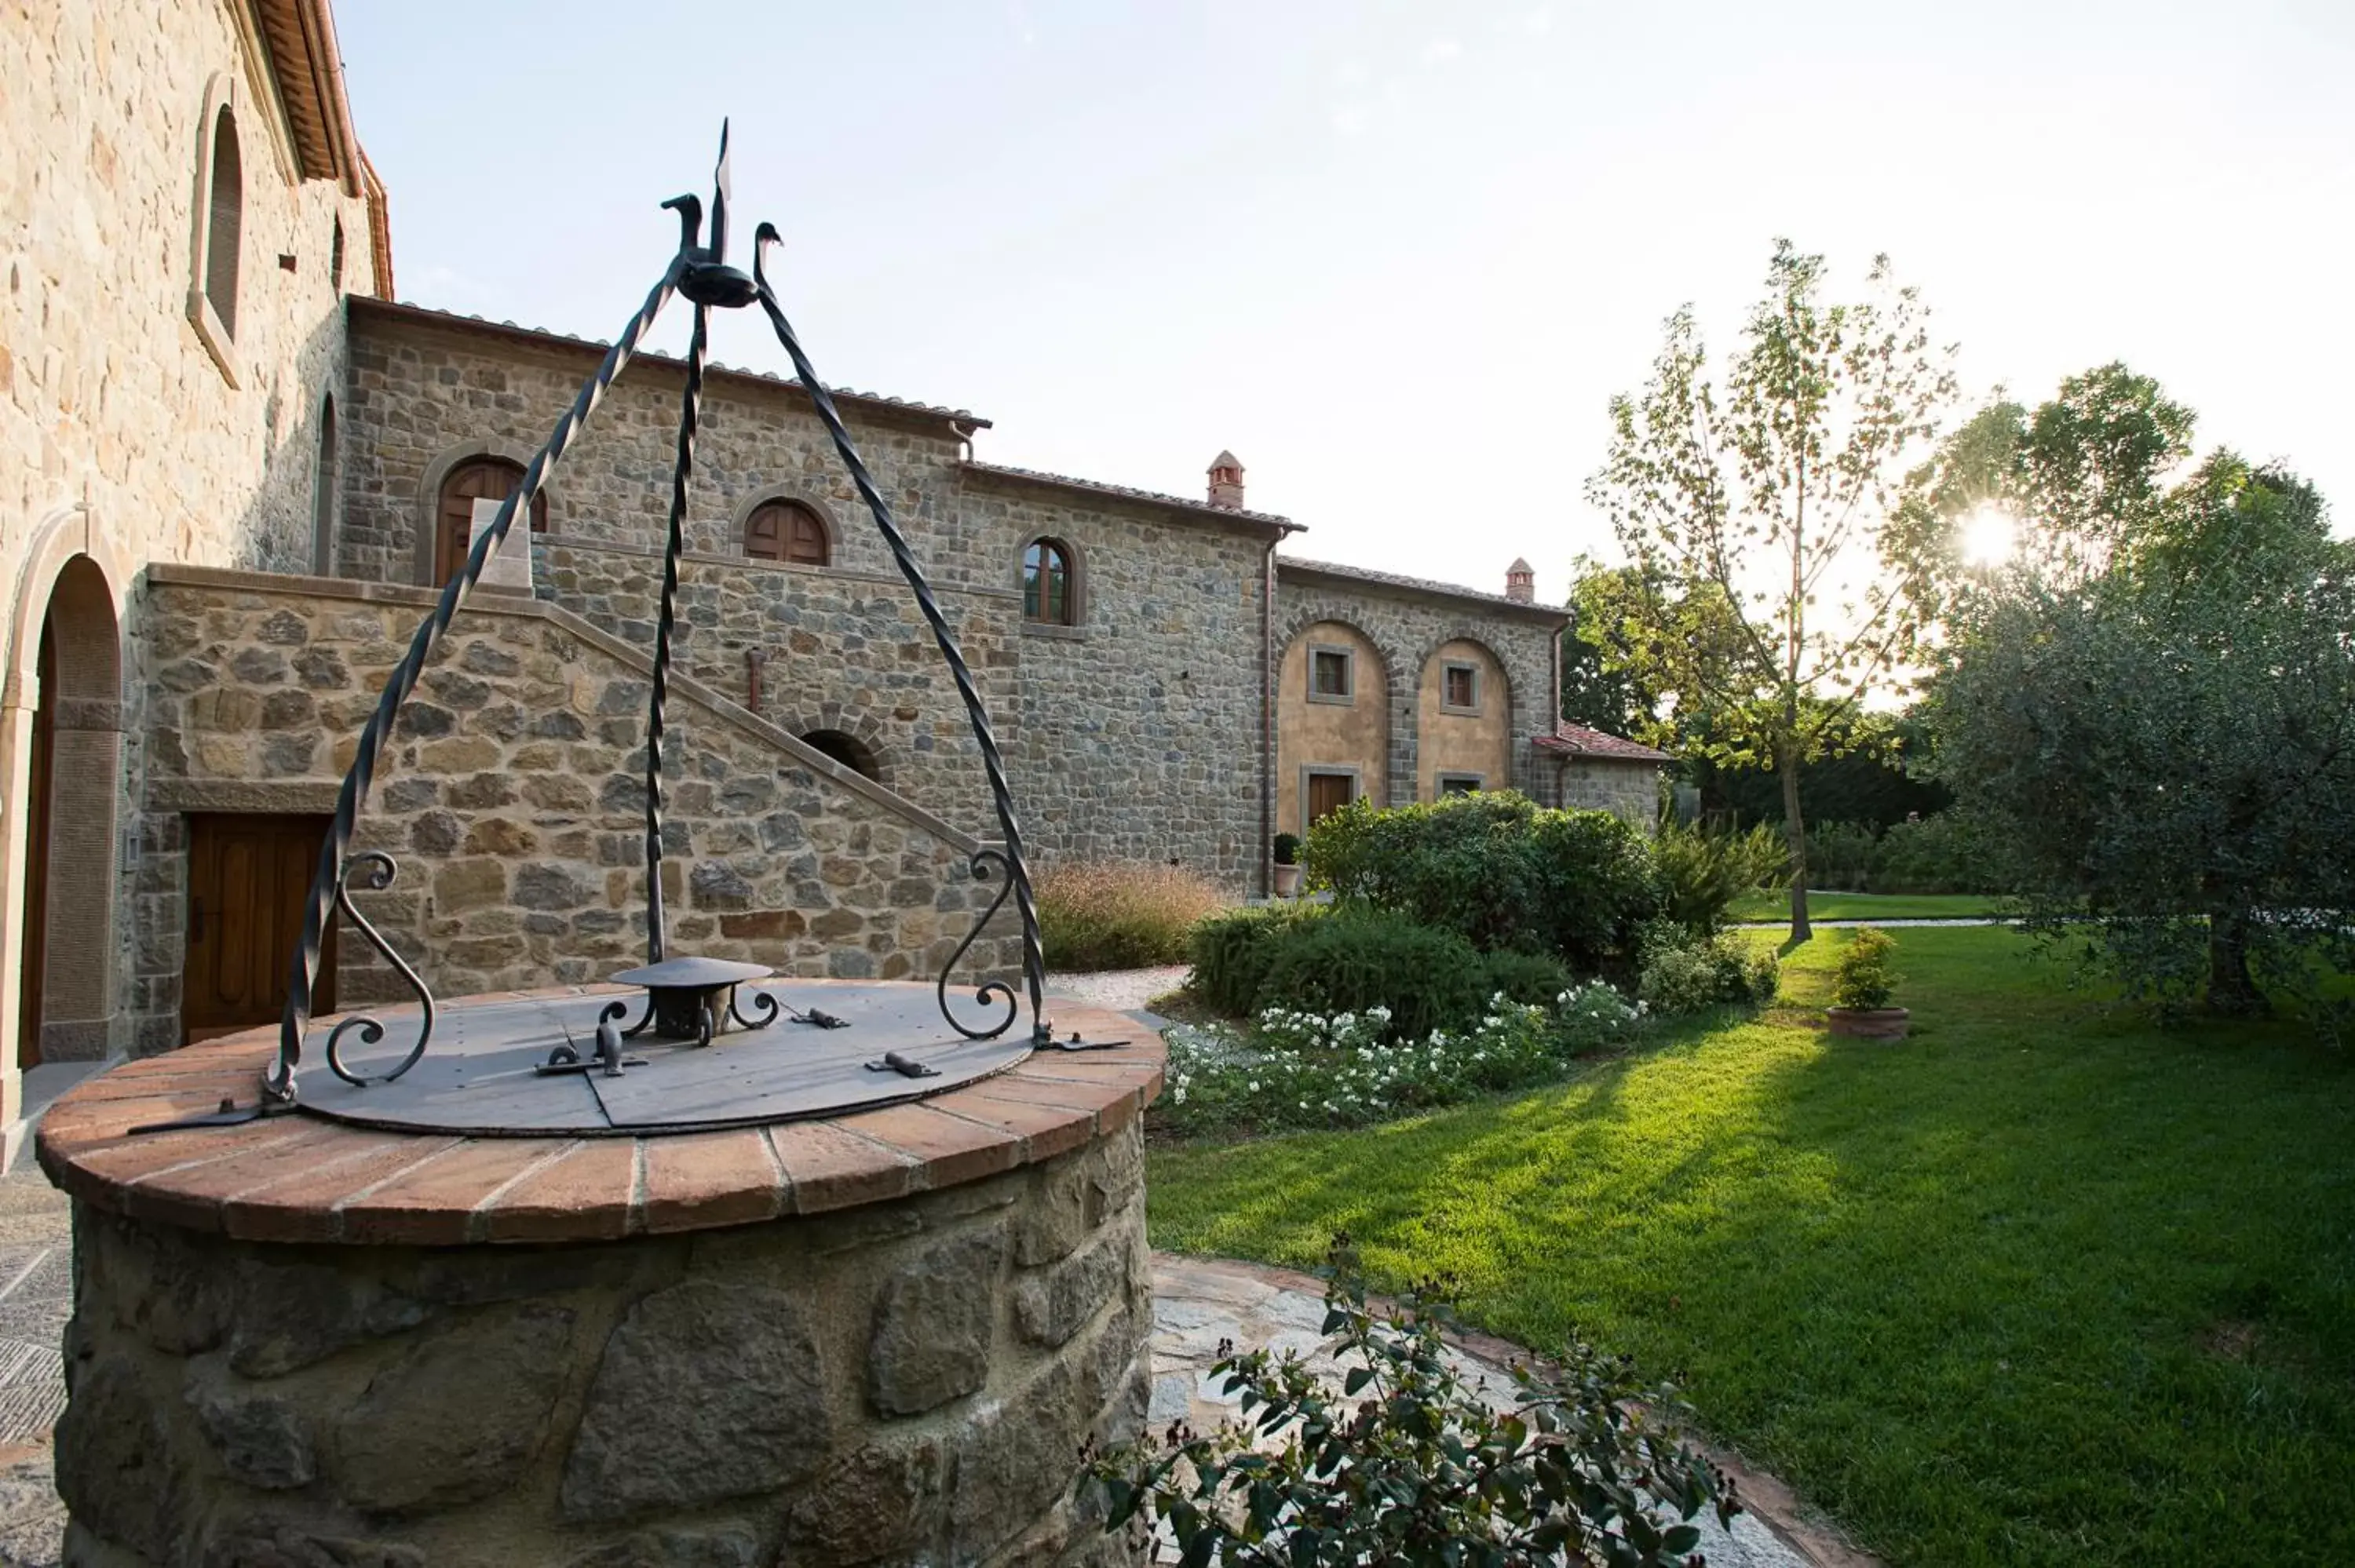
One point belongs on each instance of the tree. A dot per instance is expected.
(1754, 518)
(2075, 481)
(1599, 688)
(2167, 742)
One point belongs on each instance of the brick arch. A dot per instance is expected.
(1315, 740)
(74, 585)
(857, 722)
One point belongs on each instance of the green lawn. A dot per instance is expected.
(2042, 1283)
(1867, 905)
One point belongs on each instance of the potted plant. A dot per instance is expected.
(1287, 865)
(1862, 986)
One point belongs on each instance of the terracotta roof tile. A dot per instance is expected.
(1416, 585)
(1127, 493)
(1578, 740)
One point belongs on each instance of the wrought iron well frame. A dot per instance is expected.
(700, 272)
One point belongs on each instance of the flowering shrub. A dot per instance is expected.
(1689, 977)
(1307, 1069)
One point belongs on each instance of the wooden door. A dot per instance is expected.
(247, 878)
(1329, 792)
(34, 949)
(485, 479)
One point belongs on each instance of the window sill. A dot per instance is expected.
(213, 334)
(1348, 700)
(1049, 630)
(1454, 712)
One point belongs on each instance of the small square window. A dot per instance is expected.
(1459, 688)
(1329, 675)
(1461, 783)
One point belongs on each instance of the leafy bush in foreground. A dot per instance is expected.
(1406, 1463)
(1498, 870)
(1115, 915)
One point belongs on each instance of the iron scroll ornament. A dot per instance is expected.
(702, 274)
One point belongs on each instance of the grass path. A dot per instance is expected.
(2040, 1285)
(1764, 906)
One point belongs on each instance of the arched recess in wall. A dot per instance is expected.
(1332, 723)
(476, 468)
(782, 524)
(324, 484)
(61, 755)
(1464, 719)
(847, 749)
(217, 238)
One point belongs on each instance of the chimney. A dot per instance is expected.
(1520, 582)
(1227, 482)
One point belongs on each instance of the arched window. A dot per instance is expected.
(478, 479)
(786, 531)
(227, 218)
(1048, 589)
(323, 494)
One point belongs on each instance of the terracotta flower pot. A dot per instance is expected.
(1870, 1022)
(1287, 881)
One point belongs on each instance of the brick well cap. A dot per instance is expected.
(302, 1179)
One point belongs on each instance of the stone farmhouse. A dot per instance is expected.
(235, 469)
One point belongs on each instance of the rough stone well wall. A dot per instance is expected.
(512, 795)
(906, 1381)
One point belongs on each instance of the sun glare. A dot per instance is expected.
(1990, 536)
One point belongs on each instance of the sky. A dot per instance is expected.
(1398, 257)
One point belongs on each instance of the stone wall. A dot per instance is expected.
(1410, 623)
(904, 1381)
(1629, 787)
(108, 396)
(512, 795)
(428, 391)
(838, 650)
(1138, 732)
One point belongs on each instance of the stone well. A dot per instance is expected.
(877, 1338)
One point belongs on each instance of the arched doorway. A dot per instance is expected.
(479, 479)
(65, 987)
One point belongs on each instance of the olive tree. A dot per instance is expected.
(2166, 744)
(1751, 512)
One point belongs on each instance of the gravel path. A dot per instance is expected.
(1121, 990)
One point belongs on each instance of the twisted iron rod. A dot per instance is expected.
(278, 1084)
(1034, 963)
(680, 471)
